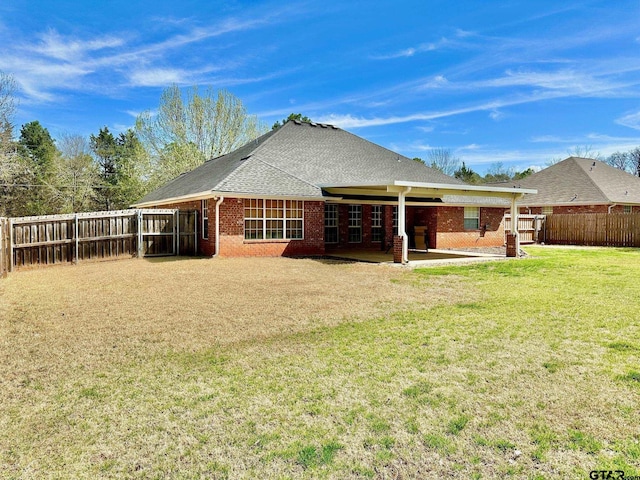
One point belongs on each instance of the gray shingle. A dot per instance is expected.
(298, 159)
(581, 181)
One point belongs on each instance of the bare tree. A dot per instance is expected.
(585, 151)
(14, 173)
(7, 110)
(634, 160)
(442, 159)
(76, 174)
(198, 126)
(620, 160)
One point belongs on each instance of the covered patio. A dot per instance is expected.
(415, 257)
(404, 193)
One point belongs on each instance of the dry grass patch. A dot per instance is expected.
(302, 369)
(57, 319)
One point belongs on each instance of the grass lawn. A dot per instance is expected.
(281, 368)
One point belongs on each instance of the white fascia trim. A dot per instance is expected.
(303, 198)
(212, 193)
(185, 198)
(464, 188)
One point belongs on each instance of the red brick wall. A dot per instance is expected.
(233, 244)
(451, 232)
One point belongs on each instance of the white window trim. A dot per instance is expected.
(336, 226)
(285, 220)
(475, 217)
(377, 224)
(349, 226)
(204, 204)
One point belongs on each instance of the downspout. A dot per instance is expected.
(218, 202)
(402, 224)
(611, 206)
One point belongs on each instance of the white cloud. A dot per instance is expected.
(496, 115)
(439, 81)
(158, 77)
(632, 120)
(412, 51)
(46, 64)
(56, 46)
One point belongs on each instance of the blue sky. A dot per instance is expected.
(517, 82)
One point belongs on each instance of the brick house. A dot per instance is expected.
(580, 185)
(312, 189)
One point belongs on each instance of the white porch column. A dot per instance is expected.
(402, 224)
(514, 222)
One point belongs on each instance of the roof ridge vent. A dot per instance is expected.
(297, 122)
(313, 124)
(323, 125)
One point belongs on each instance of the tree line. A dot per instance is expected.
(442, 159)
(105, 171)
(445, 161)
(41, 175)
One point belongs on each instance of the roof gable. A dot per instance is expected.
(581, 181)
(298, 159)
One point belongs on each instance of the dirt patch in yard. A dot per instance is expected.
(81, 316)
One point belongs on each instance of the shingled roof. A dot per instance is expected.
(297, 160)
(581, 181)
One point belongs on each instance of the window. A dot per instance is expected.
(205, 219)
(273, 219)
(627, 209)
(330, 223)
(547, 210)
(471, 218)
(294, 215)
(376, 223)
(355, 223)
(395, 220)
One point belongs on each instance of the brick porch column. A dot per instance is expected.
(512, 245)
(397, 249)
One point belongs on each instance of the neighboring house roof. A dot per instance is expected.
(299, 160)
(581, 181)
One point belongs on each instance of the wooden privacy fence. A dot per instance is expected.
(601, 229)
(54, 239)
(5, 251)
(530, 227)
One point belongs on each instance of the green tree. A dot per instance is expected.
(523, 174)
(467, 175)
(38, 151)
(215, 123)
(292, 116)
(497, 172)
(122, 165)
(105, 148)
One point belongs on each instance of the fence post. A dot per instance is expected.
(3, 258)
(77, 239)
(176, 231)
(140, 244)
(11, 260)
